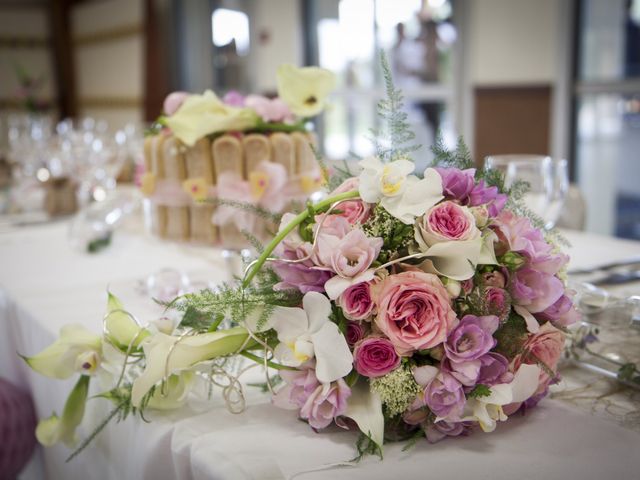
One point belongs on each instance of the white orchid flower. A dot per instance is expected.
(166, 355)
(76, 350)
(305, 89)
(403, 195)
(487, 411)
(307, 333)
(63, 429)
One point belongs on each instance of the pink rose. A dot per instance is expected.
(543, 347)
(333, 225)
(173, 102)
(414, 310)
(446, 222)
(355, 211)
(350, 255)
(356, 302)
(375, 357)
(497, 302)
(356, 331)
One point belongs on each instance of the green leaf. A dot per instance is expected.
(479, 391)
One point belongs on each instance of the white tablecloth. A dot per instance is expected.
(44, 285)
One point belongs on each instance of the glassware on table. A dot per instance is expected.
(607, 339)
(548, 181)
(92, 228)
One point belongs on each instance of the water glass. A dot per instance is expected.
(547, 178)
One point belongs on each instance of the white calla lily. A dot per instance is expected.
(487, 411)
(403, 195)
(177, 392)
(63, 358)
(307, 333)
(305, 89)
(63, 429)
(121, 329)
(365, 408)
(166, 355)
(201, 115)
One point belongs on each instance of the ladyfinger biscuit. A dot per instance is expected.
(283, 151)
(228, 157)
(153, 164)
(177, 227)
(199, 164)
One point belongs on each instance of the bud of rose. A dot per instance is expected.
(87, 362)
(355, 332)
(494, 279)
(481, 214)
(467, 286)
(436, 353)
(453, 288)
(512, 260)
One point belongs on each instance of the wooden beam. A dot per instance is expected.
(62, 47)
(156, 70)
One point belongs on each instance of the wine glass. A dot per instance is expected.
(547, 178)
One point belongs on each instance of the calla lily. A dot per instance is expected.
(403, 195)
(365, 408)
(121, 329)
(201, 115)
(166, 355)
(305, 89)
(63, 429)
(63, 358)
(177, 392)
(307, 333)
(457, 259)
(487, 411)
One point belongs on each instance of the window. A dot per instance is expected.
(419, 39)
(607, 132)
(230, 27)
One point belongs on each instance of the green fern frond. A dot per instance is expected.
(392, 141)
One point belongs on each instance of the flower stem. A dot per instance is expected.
(286, 230)
(260, 361)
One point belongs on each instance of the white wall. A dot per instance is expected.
(513, 41)
(282, 20)
(110, 69)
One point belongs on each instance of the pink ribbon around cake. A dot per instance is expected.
(269, 187)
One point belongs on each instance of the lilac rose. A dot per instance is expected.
(494, 369)
(442, 429)
(325, 403)
(299, 276)
(471, 338)
(375, 357)
(562, 313)
(299, 385)
(457, 184)
(535, 290)
(489, 196)
(444, 395)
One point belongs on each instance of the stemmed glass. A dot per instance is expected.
(547, 178)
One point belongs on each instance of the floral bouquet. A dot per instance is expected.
(405, 305)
